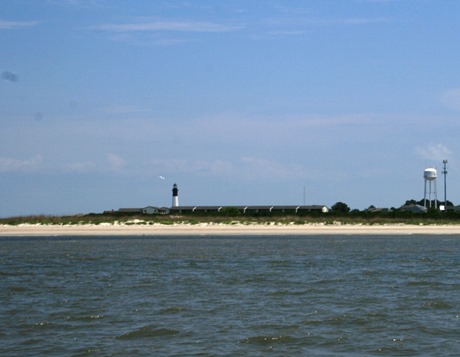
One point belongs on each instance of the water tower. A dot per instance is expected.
(430, 176)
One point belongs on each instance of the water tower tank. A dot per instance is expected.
(430, 174)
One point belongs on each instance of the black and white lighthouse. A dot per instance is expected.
(175, 197)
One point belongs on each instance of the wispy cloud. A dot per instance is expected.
(434, 152)
(64, 2)
(344, 21)
(376, 1)
(246, 167)
(81, 167)
(123, 109)
(330, 121)
(14, 25)
(296, 25)
(152, 39)
(451, 99)
(8, 164)
(115, 161)
(9, 76)
(178, 26)
(74, 3)
(161, 32)
(363, 20)
(284, 33)
(254, 168)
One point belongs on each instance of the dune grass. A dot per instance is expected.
(363, 218)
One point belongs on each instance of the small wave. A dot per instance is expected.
(397, 349)
(31, 342)
(427, 260)
(437, 304)
(172, 310)
(147, 331)
(421, 283)
(46, 325)
(289, 292)
(268, 340)
(280, 263)
(87, 318)
(17, 289)
(88, 352)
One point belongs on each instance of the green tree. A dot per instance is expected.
(340, 207)
(230, 211)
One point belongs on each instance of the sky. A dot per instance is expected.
(107, 103)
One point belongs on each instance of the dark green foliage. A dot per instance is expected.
(340, 212)
(340, 208)
(230, 211)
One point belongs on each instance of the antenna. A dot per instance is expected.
(444, 172)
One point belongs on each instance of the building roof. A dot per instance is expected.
(252, 208)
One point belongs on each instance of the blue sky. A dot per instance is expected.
(238, 102)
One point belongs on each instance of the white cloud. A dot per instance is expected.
(116, 162)
(14, 165)
(285, 33)
(158, 33)
(172, 166)
(150, 40)
(245, 167)
(81, 167)
(179, 26)
(13, 25)
(377, 1)
(451, 99)
(437, 152)
(82, 3)
(364, 21)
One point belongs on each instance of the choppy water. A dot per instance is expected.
(230, 296)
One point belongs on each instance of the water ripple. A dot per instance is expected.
(147, 331)
(230, 296)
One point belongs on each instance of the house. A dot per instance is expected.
(155, 210)
(413, 208)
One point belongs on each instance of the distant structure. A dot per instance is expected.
(251, 209)
(430, 176)
(175, 196)
(176, 209)
(444, 172)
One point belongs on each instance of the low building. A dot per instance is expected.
(413, 208)
(251, 209)
(145, 210)
(155, 210)
(129, 210)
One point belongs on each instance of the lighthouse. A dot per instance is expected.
(175, 197)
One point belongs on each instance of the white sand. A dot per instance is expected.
(221, 229)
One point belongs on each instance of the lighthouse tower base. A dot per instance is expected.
(175, 196)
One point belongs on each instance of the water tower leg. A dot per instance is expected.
(435, 194)
(424, 195)
(430, 193)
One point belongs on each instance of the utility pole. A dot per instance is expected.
(444, 172)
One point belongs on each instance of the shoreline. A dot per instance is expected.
(204, 229)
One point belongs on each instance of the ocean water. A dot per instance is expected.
(230, 296)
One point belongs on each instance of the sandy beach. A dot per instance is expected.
(221, 229)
